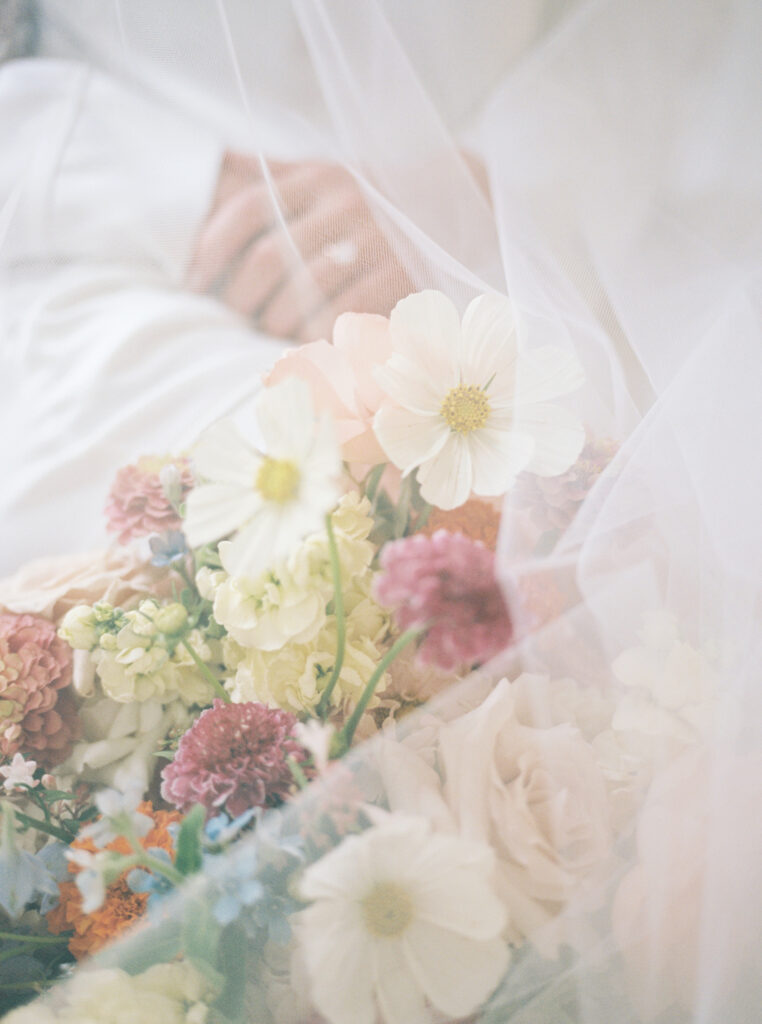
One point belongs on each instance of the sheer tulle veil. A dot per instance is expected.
(622, 147)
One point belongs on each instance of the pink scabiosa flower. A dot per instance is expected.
(233, 758)
(38, 714)
(447, 584)
(145, 497)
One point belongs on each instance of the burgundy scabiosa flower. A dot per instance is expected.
(233, 758)
(446, 583)
(38, 714)
(144, 497)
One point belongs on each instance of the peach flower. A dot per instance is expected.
(51, 587)
(340, 377)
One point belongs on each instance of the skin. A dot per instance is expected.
(342, 262)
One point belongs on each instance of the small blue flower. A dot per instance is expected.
(23, 876)
(223, 830)
(168, 547)
(157, 887)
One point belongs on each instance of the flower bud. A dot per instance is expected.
(172, 618)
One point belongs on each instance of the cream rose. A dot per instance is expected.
(538, 797)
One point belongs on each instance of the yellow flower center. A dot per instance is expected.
(465, 408)
(387, 910)
(277, 480)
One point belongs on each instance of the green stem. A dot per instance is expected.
(296, 770)
(144, 859)
(345, 737)
(25, 986)
(159, 867)
(341, 625)
(43, 826)
(33, 940)
(205, 671)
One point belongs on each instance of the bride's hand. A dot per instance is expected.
(332, 258)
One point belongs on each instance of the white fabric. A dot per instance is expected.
(105, 357)
(623, 146)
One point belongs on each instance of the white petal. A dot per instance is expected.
(346, 871)
(399, 997)
(489, 338)
(222, 454)
(409, 385)
(456, 973)
(265, 540)
(558, 436)
(462, 901)
(407, 438)
(546, 373)
(286, 418)
(498, 456)
(425, 327)
(447, 478)
(338, 960)
(215, 510)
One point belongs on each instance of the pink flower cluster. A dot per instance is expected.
(138, 505)
(447, 584)
(233, 758)
(38, 715)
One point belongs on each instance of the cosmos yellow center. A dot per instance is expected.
(387, 910)
(277, 480)
(465, 408)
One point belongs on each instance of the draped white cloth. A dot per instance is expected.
(622, 144)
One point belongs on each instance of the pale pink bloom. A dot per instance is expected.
(341, 379)
(447, 584)
(53, 586)
(37, 711)
(139, 502)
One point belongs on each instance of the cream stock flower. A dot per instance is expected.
(287, 603)
(400, 918)
(270, 500)
(136, 663)
(173, 993)
(466, 408)
(293, 678)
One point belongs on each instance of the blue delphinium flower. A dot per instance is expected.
(168, 547)
(23, 876)
(157, 887)
(252, 884)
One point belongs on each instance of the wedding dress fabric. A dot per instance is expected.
(622, 144)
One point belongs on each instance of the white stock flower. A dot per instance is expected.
(272, 499)
(171, 993)
(119, 741)
(467, 409)
(18, 773)
(401, 917)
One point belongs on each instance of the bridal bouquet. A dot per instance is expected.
(288, 736)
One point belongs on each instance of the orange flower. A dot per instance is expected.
(122, 907)
(477, 519)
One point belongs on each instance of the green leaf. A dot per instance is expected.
(188, 858)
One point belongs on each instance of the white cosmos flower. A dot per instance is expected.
(466, 408)
(402, 920)
(271, 499)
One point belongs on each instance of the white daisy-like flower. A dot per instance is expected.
(467, 409)
(18, 773)
(403, 920)
(271, 498)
